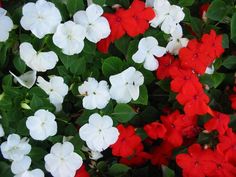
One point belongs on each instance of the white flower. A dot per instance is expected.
(148, 48)
(210, 70)
(1, 131)
(167, 16)
(20, 166)
(27, 79)
(70, 38)
(15, 148)
(125, 85)
(6, 25)
(99, 133)
(40, 18)
(42, 125)
(96, 94)
(62, 160)
(38, 61)
(31, 173)
(55, 88)
(97, 27)
(176, 41)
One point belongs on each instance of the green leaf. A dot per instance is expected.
(212, 80)
(167, 172)
(186, 3)
(196, 25)
(122, 44)
(74, 5)
(99, 2)
(37, 153)
(118, 169)
(217, 10)
(230, 62)
(5, 170)
(89, 47)
(143, 96)
(123, 113)
(233, 28)
(225, 41)
(111, 66)
(19, 64)
(78, 65)
(41, 103)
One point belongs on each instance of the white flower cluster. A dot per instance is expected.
(16, 150)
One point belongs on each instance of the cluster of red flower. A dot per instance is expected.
(133, 21)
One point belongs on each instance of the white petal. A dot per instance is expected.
(27, 79)
(21, 166)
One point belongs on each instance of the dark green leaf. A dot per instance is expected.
(111, 66)
(233, 28)
(186, 3)
(74, 5)
(118, 169)
(217, 10)
(19, 64)
(230, 62)
(123, 113)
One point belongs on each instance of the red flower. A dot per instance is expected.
(139, 158)
(233, 99)
(194, 100)
(176, 125)
(222, 167)
(141, 15)
(191, 57)
(81, 172)
(212, 44)
(203, 10)
(183, 78)
(127, 143)
(155, 130)
(197, 163)
(164, 66)
(219, 122)
(227, 146)
(161, 155)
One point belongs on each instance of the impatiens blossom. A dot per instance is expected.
(62, 160)
(125, 85)
(6, 25)
(55, 88)
(20, 166)
(15, 148)
(96, 94)
(70, 38)
(99, 132)
(41, 125)
(31, 173)
(81, 172)
(97, 27)
(40, 18)
(27, 79)
(176, 42)
(38, 61)
(148, 49)
(167, 16)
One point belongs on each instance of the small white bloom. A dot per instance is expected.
(97, 27)
(20, 166)
(42, 125)
(96, 94)
(210, 69)
(125, 85)
(148, 49)
(99, 132)
(167, 16)
(15, 148)
(27, 79)
(55, 88)
(70, 38)
(40, 18)
(1, 131)
(31, 173)
(62, 160)
(176, 41)
(38, 61)
(6, 25)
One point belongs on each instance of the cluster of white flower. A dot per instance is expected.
(16, 150)
(97, 94)
(6, 25)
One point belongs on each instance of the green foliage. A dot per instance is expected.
(123, 113)
(217, 10)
